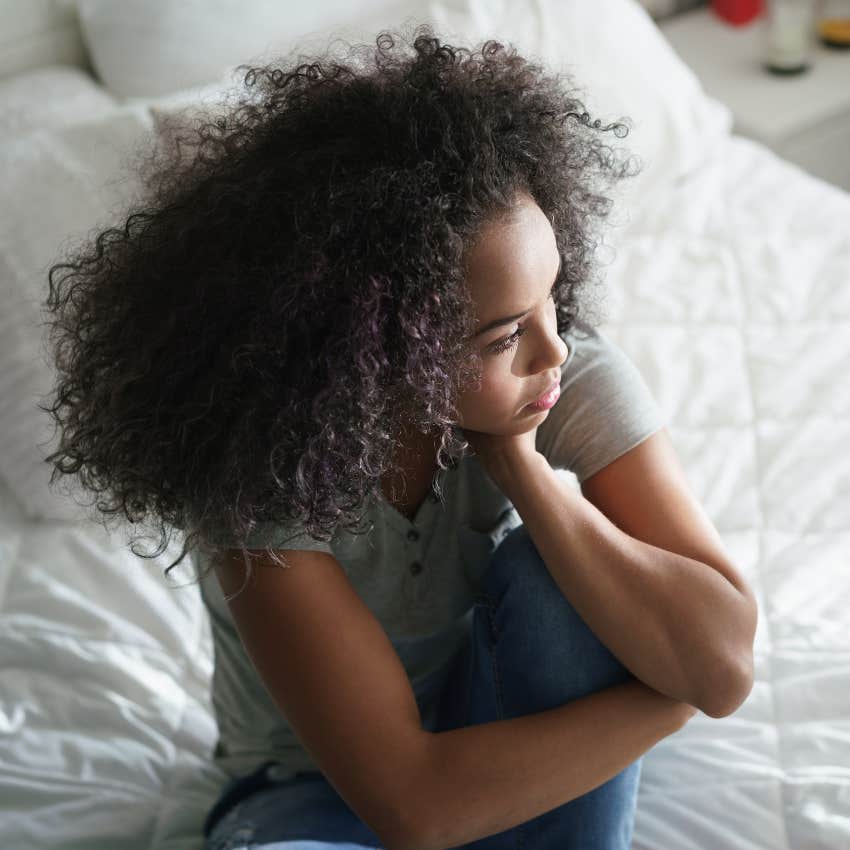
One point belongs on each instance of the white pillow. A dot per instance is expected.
(49, 97)
(65, 184)
(150, 48)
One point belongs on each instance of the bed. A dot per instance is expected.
(727, 277)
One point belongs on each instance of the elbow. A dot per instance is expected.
(402, 836)
(408, 829)
(735, 676)
(391, 822)
(420, 820)
(401, 840)
(731, 691)
(406, 837)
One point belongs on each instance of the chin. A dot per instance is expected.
(528, 411)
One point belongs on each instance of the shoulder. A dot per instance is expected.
(605, 406)
(591, 347)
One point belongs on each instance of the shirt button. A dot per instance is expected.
(412, 534)
(416, 568)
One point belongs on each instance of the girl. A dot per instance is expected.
(341, 334)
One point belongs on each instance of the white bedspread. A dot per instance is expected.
(733, 298)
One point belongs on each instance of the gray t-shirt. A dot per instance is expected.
(419, 576)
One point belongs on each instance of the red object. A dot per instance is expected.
(737, 12)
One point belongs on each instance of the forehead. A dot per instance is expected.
(510, 256)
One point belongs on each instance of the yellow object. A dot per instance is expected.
(835, 30)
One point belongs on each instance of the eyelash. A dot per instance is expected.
(508, 342)
(511, 341)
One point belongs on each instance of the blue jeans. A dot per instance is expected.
(527, 651)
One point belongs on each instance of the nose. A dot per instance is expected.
(552, 357)
(556, 351)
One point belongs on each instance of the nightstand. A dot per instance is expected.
(804, 118)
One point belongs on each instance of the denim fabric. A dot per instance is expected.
(527, 651)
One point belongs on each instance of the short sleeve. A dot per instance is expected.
(605, 407)
(281, 536)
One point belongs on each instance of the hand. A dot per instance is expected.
(497, 452)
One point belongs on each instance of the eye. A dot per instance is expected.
(511, 341)
(508, 342)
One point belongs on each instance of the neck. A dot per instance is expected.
(414, 465)
(415, 444)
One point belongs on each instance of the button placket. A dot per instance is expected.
(412, 535)
(415, 565)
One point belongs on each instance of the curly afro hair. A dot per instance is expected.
(288, 288)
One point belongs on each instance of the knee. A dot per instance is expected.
(519, 582)
(517, 564)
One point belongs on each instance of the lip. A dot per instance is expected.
(545, 401)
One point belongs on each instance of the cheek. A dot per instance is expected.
(494, 385)
(494, 397)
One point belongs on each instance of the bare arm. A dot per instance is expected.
(676, 623)
(483, 779)
(352, 706)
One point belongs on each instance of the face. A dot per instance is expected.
(511, 271)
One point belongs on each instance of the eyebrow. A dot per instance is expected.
(507, 320)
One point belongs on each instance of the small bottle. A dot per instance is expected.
(789, 36)
(833, 25)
